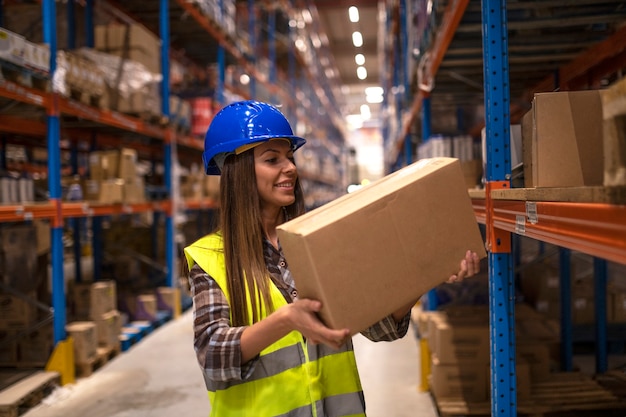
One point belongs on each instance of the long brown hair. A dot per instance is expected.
(242, 231)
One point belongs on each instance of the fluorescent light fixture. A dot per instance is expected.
(357, 39)
(353, 12)
(306, 15)
(373, 91)
(355, 121)
(374, 95)
(315, 40)
(374, 99)
(366, 113)
(361, 72)
(359, 59)
(300, 45)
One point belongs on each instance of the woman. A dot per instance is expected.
(263, 351)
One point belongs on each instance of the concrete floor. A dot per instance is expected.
(159, 377)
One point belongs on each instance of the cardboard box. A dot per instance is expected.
(614, 114)
(85, 340)
(458, 343)
(132, 42)
(467, 381)
(371, 252)
(108, 329)
(567, 124)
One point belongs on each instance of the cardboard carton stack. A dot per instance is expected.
(459, 344)
(96, 303)
(136, 50)
(614, 136)
(114, 178)
(105, 314)
(83, 334)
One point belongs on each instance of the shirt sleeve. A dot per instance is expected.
(216, 342)
(388, 329)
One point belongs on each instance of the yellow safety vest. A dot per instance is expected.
(292, 378)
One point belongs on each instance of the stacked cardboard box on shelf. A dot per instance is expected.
(614, 138)
(96, 326)
(459, 344)
(567, 124)
(132, 44)
(113, 177)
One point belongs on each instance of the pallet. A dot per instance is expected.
(103, 356)
(87, 98)
(27, 393)
(24, 76)
(563, 395)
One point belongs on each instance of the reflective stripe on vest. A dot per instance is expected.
(291, 378)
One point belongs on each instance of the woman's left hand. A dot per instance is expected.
(470, 265)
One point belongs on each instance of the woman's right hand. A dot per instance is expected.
(303, 317)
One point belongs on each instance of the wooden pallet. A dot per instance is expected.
(89, 99)
(24, 76)
(103, 356)
(27, 393)
(563, 395)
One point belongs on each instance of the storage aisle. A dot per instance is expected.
(159, 377)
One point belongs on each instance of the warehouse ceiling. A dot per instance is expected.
(567, 44)
(578, 44)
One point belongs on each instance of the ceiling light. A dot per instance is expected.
(359, 59)
(374, 91)
(353, 12)
(366, 113)
(374, 99)
(361, 72)
(315, 40)
(244, 79)
(357, 39)
(329, 73)
(306, 15)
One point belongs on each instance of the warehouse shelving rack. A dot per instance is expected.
(162, 140)
(590, 220)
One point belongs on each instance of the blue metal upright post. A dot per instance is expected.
(433, 300)
(221, 73)
(565, 285)
(271, 40)
(501, 277)
(404, 51)
(53, 134)
(164, 29)
(252, 35)
(599, 286)
(89, 28)
(71, 25)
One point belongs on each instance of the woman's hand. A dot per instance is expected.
(470, 265)
(303, 317)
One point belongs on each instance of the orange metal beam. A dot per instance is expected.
(23, 94)
(22, 126)
(110, 118)
(592, 228)
(87, 208)
(498, 239)
(199, 204)
(22, 212)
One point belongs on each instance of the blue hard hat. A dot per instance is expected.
(244, 123)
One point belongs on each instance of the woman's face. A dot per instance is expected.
(276, 174)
